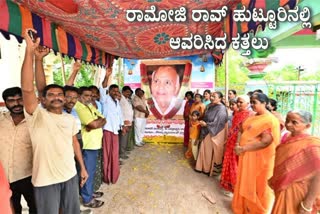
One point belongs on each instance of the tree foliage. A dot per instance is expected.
(237, 71)
(118, 76)
(85, 76)
(291, 73)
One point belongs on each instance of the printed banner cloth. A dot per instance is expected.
(71, 26)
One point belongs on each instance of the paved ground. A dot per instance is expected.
(158, 179)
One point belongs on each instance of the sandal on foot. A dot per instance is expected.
(97, 194)
(94, 204)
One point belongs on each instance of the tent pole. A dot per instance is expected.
(226, 64)
(63, 73)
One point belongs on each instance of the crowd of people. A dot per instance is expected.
(58, 144)
(265, 163)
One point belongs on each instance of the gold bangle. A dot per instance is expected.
(305, 209)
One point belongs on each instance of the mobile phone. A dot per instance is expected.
(32, 35)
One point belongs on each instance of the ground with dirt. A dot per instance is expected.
(158, 179)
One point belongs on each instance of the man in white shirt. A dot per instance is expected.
(127, 114)
(141, 114)
(112, 113)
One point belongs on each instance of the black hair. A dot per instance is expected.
(207, 90)
(250, 93)
(10, 92)
(137, 90)
(113, 86)
(233, 91)
(93, 87)
(126, 88)
(195, 112)
(83, 89)
(70, 88)
(273, 103)
(258, 91)
(189, 93)
(48, 87)
(261, 97)
(198, 95)
(220, 95)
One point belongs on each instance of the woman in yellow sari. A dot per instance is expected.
(259, 138)
(296, 177)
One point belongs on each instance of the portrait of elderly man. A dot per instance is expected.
(165, 86)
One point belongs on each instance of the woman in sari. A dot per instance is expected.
(260, 135)
(273, 109)
(232, 109)
(197, 105)
(206, 97)
(212, 136)
(186, 115)
(230, 162)
(296, 176)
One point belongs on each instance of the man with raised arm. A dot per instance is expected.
(54, 143)
(113, 114)
(71, 98)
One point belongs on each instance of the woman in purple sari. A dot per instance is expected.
(212, 136)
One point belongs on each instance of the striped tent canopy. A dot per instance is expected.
(98, 30)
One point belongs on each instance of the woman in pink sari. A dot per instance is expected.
(296, 175)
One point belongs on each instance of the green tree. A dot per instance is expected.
(119, 73)
(287, 73)
(85, 76)
(311, 77)
(237, 71)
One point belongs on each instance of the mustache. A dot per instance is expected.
(14, 107)
(60, 101)
(17, 106)
(73, 103)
